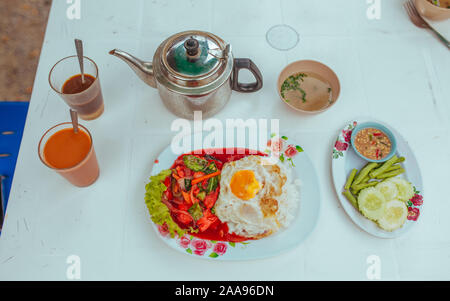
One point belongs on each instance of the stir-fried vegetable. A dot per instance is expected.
(201, 195)
(176, 190)
(187, 197)
(210, 168)
(196, 211)
(198, 180)
(210, 199)
(194, 163)
(187, 184)
(194, 189)
(207, 220)
(212, 184)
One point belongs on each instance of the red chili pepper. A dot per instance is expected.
(183, 207)
(195, 189)
(184, 217)
(377, 134)
(205, 184)
(180, 171)
(207, 220)
(167, 182)
(211, 198)
(378, 152)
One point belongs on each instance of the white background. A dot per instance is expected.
(389, 70)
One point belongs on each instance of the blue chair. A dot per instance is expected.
(12, 122)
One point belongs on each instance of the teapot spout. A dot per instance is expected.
(143, 69)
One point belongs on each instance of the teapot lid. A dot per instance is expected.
(195, 59)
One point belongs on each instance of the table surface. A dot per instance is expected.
(389, 70)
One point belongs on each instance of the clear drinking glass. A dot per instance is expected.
(85, 172)
(89, 102)
(282, 37)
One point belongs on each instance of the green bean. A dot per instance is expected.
(358, 187)
(391, 174)
(350, 178)
(351, 198)
(394, 167)
(364, 172)
(356, 176)
(365, 180)
(400, 160)
(384, 167)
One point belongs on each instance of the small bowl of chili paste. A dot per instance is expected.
(373, 142)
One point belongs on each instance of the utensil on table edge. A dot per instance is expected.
(417, 20)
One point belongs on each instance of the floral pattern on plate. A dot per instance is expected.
(413, 205)
(280, 148)
(343, 141)
(200, 247)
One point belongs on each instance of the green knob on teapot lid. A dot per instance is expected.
(193, 56)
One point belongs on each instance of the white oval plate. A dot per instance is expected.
(344, 159)
(286, 239)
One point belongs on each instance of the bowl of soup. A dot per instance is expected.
(435, 10)
(308, 86)
(373, 142)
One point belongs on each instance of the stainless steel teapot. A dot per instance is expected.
(194, 71)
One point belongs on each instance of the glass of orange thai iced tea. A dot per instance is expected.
(70, 153)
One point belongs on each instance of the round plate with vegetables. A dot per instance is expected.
(385, 197)
(230, 203)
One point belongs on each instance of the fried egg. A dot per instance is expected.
(256, 199)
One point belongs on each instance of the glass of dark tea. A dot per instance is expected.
(84, 97)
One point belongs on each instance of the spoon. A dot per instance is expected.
(79, 48)
(74, 118)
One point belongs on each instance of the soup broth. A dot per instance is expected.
(441, 3)
(307, 91)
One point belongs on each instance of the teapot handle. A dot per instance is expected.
(244, 87)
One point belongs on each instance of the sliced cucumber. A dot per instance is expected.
(405, 189)
(371, 203)
(388, 189)
(395, 214)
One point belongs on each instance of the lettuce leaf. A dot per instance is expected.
(159, 212)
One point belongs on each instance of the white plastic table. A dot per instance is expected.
(389, 70)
